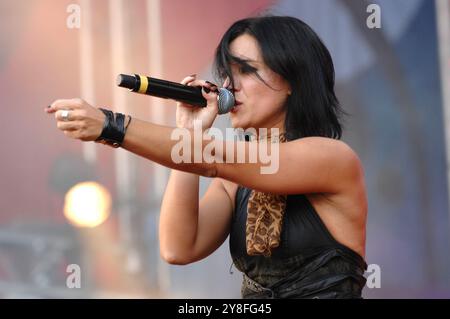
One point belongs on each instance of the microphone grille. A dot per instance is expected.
(225, 101)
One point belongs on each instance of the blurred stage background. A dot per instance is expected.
(393, 81)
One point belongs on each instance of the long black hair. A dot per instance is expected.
(293, 50)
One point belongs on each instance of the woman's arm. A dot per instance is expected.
(302, 166)
(190, 230)
(307, 165)
(154, 142)
(146, 139)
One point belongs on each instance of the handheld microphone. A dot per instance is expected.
(175, 91)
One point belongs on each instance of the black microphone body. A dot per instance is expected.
(171, 90)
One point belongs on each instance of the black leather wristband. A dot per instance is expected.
(113, 131)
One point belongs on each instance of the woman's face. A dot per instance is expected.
(259, 105)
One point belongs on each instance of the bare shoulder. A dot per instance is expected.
(347, 170)
(352, 165)
(326, 144)
(336, 155)
(353, 197)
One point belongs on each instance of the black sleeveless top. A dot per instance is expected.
(309, 263)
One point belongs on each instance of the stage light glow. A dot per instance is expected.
(87, 204)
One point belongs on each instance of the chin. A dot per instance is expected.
(238, 123)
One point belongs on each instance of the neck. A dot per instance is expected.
(274, 131)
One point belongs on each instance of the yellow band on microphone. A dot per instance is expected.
(144, 84)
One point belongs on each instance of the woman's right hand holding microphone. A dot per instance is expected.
(187, 115)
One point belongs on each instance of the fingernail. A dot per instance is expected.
(214, 87)
(193, 75)
(207, 90)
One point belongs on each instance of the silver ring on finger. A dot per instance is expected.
(65, 115)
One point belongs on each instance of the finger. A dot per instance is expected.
(67, 104)
(210, 83)
(59, 115)
(68, 126)
(208, 86)
(201, 83)
(212, 86)
(209, 95)
(74, 115)
(188, 79)
(71, 134)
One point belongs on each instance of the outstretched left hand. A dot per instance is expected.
(77, 119)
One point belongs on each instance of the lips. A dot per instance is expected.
(236, 107)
